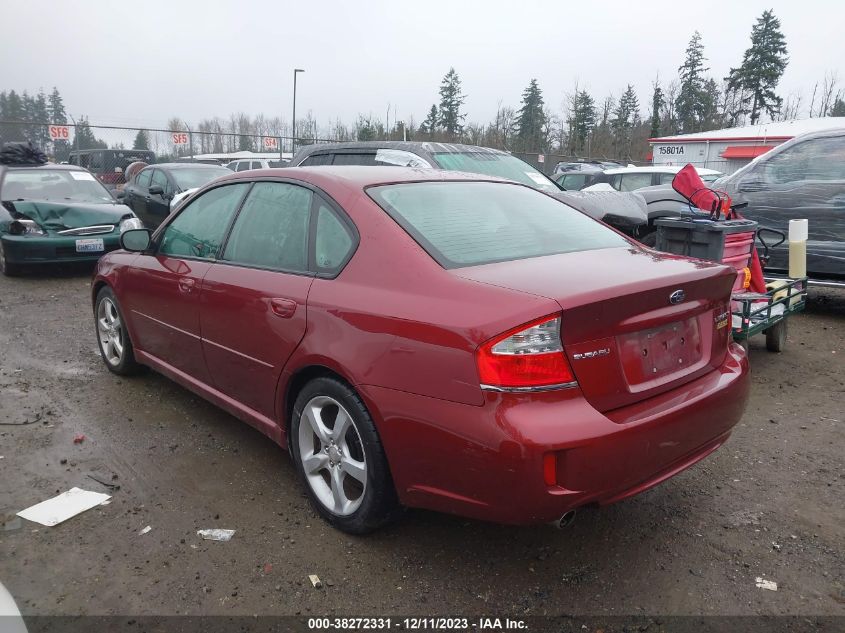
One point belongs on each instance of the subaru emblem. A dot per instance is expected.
(677, 296)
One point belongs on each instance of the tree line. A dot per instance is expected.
(613, 127)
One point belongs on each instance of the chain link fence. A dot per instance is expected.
(107, 150)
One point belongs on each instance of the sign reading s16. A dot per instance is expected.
(179, 138)
(59, 132)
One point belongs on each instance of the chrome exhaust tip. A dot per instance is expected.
(566, 520)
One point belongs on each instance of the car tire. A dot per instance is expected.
(776, 336)
(9, 270)
(345, 471)
(112, 336)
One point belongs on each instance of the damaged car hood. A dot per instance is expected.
(68, 214)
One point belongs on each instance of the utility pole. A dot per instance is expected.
(293, 134)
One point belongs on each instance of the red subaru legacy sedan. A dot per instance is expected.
(430, 339)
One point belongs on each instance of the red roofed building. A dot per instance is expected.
(729, 149)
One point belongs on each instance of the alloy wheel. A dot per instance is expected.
(332, 455)
(110, 330)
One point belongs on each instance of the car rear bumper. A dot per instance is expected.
(53, 250)
(487, 462)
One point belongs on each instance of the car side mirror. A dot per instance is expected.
(136, 240)
(155, 190)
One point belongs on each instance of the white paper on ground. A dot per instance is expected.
(216, 534)
(62, 507)
(766, 584)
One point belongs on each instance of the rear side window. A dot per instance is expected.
(271, 230)
(355, 159)
(470, 223)
(333, 240)
(317, 160)
(198, 230)
(632, 182)
(243, 165)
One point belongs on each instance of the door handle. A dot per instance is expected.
(284, 308)
(186, 284)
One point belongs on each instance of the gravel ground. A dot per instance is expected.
(768, 504)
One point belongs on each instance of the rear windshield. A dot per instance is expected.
(495, 164)
(189, 178)
(470, 223)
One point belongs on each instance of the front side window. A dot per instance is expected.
(814, 159)
(471, 223)
(243, 165)
(193, 177)
(333, 240)
(160, 180)
(199, 229)
(271, 230)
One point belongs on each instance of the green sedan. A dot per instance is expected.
(57, 214)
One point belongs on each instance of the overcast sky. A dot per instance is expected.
(140, 63)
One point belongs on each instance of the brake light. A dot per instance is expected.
(528, 356)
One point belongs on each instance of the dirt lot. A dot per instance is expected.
(768, 504)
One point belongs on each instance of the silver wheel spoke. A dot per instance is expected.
(341, 426)
(312, 416)
(118, 346)
(103, 324)
(338, 496)
(354, 468)
(315, 463)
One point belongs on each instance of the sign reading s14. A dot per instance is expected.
(59, 132)
(271, 142)
(179, 138)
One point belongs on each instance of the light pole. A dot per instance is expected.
(293, 135)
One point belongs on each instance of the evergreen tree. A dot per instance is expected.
(141, 140)
(762, 67)
(658, 102)
(14, 111)
(451, 100)
(626, 116)
(531, 120)
(838, 107)
(85, 138)
(689, 104)
(56, 114)
(429, 125)
(366, 130)
(712, 118)
(582, 119)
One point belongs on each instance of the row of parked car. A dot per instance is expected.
(801, 178)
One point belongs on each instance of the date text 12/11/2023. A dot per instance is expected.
(417, 624)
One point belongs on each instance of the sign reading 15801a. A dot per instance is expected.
(672, 150)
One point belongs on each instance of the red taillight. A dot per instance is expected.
(530, 355)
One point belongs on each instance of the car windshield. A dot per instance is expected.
(191, 178)
(495, 164)
(471, 223)
(53, 184)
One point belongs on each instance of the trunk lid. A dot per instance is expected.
(625, 338)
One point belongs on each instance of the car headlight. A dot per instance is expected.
(130, 223)
(25, 227)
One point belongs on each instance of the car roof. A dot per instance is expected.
(359, 177)
(182, 165)
(44, 166)
(659, 169)
(409, 146)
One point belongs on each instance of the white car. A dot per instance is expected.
(243, 164)
(633, 178)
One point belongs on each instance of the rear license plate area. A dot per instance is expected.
(660, 352)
